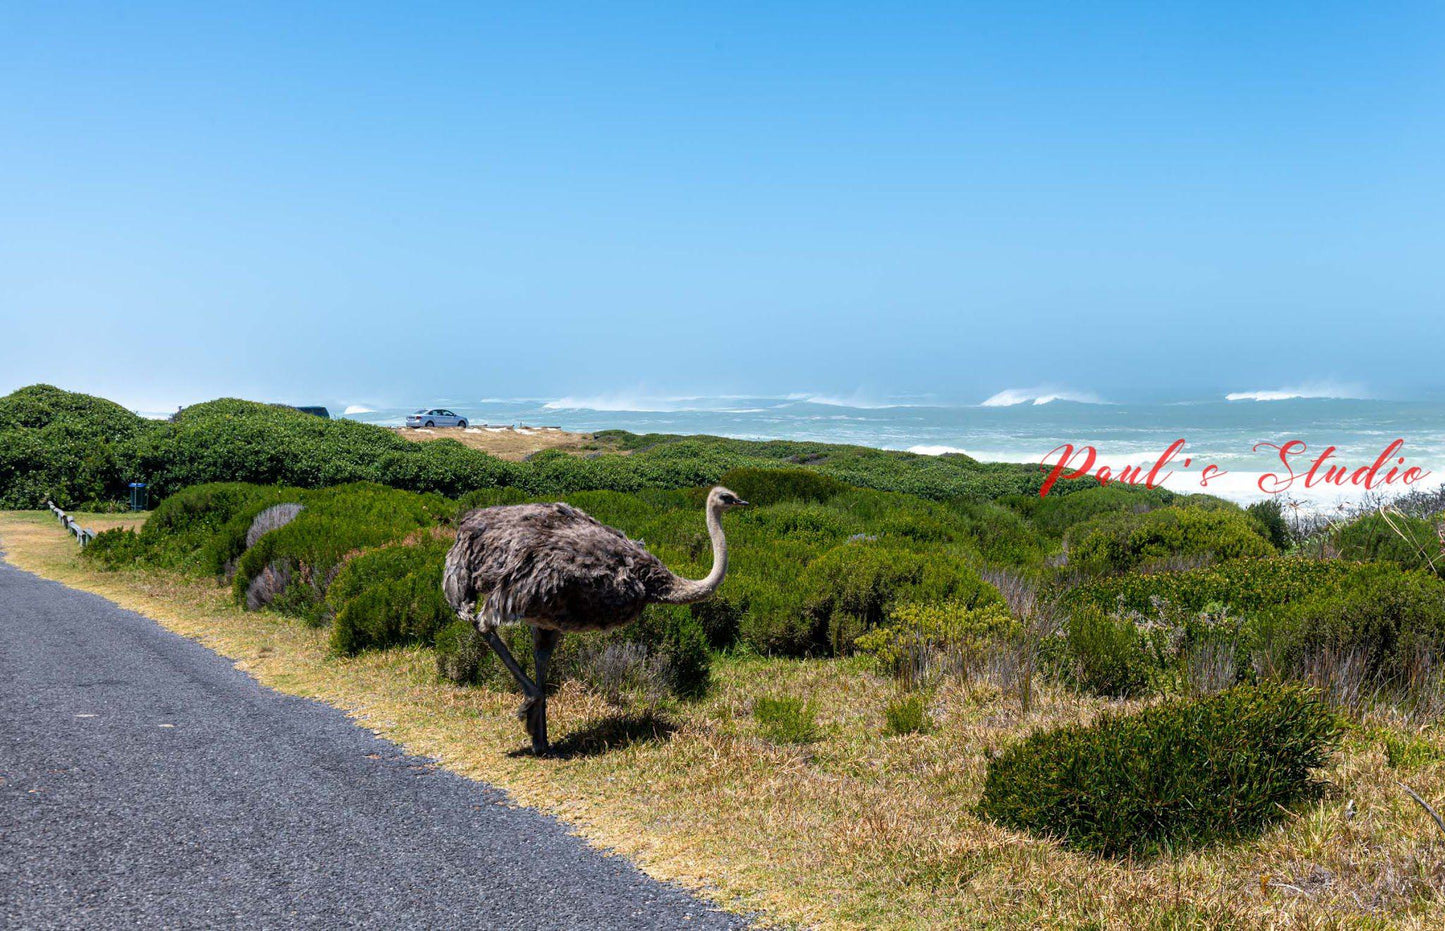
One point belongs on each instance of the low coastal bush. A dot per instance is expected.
(1175, 776)
(1107, 655)
(1269, 515)
(1386, 621)
(999, 534)
(309, 550)
(771, 486)
(119, 548)
(1242, 586)
(1117, 542)
(1408, 542)
(72, 448)
(847, 589)
(914, 633)
(62, 446)
(786, 720)
(1056, 514)
(907, 714)
(390, 595)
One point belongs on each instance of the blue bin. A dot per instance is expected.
(139, 498)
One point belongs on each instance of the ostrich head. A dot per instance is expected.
(721, 499)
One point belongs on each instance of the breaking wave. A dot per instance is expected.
(1010, 397)
(1332, 392)
(353, 409)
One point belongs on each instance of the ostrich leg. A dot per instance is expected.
(543, 643)
(529, 688)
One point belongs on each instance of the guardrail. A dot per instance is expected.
(82, 535)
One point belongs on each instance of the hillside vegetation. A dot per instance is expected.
(79, 450)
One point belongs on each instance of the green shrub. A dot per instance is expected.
(907, 714)
(1056, 514)
(786, 720)
(1116, 542)
(390, 595)
(462, 654)
(336, 521)
(848, 589)
(115, 549)
(945, 627)
(40, 406)
(95, 447)
(720, 619)
(999, 534)
(1409, 751)
(773, 622)
(66, 447)
(1174, 776)
(62, 462)
(1241, 586)
(1389, 619)
(771, 486)
(1107, 655)
(1269, 515)
(204, 527)
(1408, 542)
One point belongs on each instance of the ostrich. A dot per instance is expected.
(560, 570)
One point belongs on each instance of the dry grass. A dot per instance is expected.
(507, 443)
(853, 831)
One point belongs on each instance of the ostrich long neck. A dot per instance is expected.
(686, 591)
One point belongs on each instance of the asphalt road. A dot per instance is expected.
(145, 783)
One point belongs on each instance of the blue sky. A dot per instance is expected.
(410, 201)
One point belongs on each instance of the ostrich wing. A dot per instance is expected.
(552, 565)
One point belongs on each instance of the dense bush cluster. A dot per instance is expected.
(1375, 623)
(1118, 541)
(390, 595)
(1405, 540)
(69, 447)
(75, 448)
(1173, 776)
(945, 628)
(1384, 622)
(1242, 585)
(335, 522)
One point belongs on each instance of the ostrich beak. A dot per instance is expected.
(743, 504)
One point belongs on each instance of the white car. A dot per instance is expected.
(436, 417)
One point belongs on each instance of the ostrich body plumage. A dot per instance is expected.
(552, 566)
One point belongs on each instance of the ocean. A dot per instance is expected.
(1025, 426)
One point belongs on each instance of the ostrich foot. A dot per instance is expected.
(533, 714)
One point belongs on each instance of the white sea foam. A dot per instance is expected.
(644, 403)
(1043, 395)
(636, 402)
(353, 409)
(925, 449)
(1317, 390)
(856, 401)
